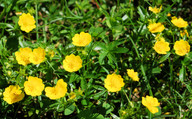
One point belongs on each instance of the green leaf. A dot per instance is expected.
(83, 84)
(99, 94)
(73, 77)
(118, 28)
(30, 113)
(84, 102)
(69, 110)
(101, 57)
(156, 70)
(182, 74)
(159, 112)
(188, 87)
(190, 68)
(162, 19)
(111, 58)
(140, 12)
(98, 87)
(108, 107)
(6, 25)
(95, 31)
(108, 22)
(120, 50)
(100, 46)
(165, 57)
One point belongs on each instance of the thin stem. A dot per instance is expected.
(17, 110)
(36, 15)
(128, 99)
(52, 68)
(137, 52)
(44, 32)
(142, 68)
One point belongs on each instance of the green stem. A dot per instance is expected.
(142, 68)
(137, 52)
(150, 116)
(17, 110)
(36, 15)
(131, 104)
(44, 32)
(52, 68)
(171, 74)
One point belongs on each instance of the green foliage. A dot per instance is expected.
(120, 41)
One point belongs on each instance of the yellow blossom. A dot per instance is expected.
(58, 91)
(179, 22)
(161, 47)
(13, 94)
(135, 90)
(168, 14)
(37, 56)
(114, 82)
(156, 27)
(132, 74)
(159, 38)
(151, 103)
(72, 95)
(72, 63)
(26, 22)
(181, 47)
(51, 53)
(155, 9)
(82, 39)
(34, 86)
(18, 13)
(183, 33)
(23, 55)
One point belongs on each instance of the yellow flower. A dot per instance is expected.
(58, 91)
(183, 33)
(37, 56)
(13, 94)
(72, 63)
(18, 13)
(159, 38)
(156, 27)
(26, 22)
(132, 74)
(169, 14)
(51, 53)
(181, 47)
(72, 95)
(23, 55)
(155, 9)
(114, 82)
(179, 22)
(82, 39)
(34, 86)
(151, 103)
(161, 47)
